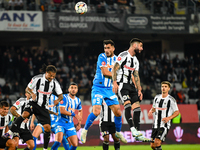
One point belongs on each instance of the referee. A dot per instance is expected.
(107, 126)
(40, 88)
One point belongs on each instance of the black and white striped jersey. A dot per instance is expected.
(106, 114)
(20, 105)
(128, 64)
(165, 107)
(43, 89)
(4, 121)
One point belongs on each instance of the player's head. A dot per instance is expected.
(73, 88)
(4, 106)
(165, 86)
(137, 45)
(109, 47)
(50, 72)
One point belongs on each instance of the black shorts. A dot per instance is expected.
(3, 142)
(107, 128)
(41, 113)
(25, 135)
(159, 133)
(127, 92)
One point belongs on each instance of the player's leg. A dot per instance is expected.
(74, 142)
(36, 132)
(104, 129)
(106, 142)
(112, 131)
(47, 130)
(136, 114)
(10, 144)
(96, 109)
(30, 144)
(58, 138)
(65, 143)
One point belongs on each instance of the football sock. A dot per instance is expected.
(72, 148)
(118, 123)
(158, 148)
(90, 120)
(136, 117)
(26, 148)
(55, 145)
(117, 145)
(105, 145)
(46, 139)
(16, 124)
(65, 143)
(35, 144)
(128, 115)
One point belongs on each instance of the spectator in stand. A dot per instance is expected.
(184, 83)
(165, 61)
(165, 55)
(6, 89)
(123, 5)
(16, 89)
(9, 68)
(15, 4)
(185, 62)
(152, 62)
(198, 81)
(147, 93)
(171, 77)
(7, 99)
(170, 7)
(198, 93)
(181, 97)
(163, 76)
(191, 93)
(176, 61)
(158, 61)
(58, 3)
(174, 93)
(191, 82)
(191, 60)
(197, 60)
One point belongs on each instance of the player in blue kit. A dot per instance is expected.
(102, 89)
(54, 115)
(65, 125)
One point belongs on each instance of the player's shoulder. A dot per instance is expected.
(123, 54)
(172, 98)
(158, 96)
(38, 76)
(102, 55)
(21, 100)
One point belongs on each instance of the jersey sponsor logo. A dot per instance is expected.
(119, 58)
(71, 109)
(45, 93)
(129, 68)
(31, 81)
(109, 66)
(103, 63)
(161, 108)
(61, 102)
(17, 102)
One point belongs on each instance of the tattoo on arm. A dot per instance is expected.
(137, 80)
(14, 113)
(114, 71)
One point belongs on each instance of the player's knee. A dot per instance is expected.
(47, 128)
(153, 146)
(96, 110)
(31, 146)
(157, 143)
(11, 143)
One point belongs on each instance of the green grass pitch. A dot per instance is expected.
(138, 147)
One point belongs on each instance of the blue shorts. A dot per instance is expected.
(99, 93)
(65, 130)
(53, 128)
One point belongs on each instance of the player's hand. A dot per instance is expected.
(140, 95)
(78, 117)
(32, 126)
(26, 120)
(150, 113)
(165, 120)
(115, 87)
(78, 127)
(33, 95)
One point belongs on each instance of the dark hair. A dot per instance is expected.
(73, 83)
(135, 40)
(166, 82)
(105, 42)
(49, 68)
(4, 103)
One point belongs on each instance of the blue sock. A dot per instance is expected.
(65, 143)
(118, 123)
(72, 148)
(55, 145)
(35, 145)
(90, 120)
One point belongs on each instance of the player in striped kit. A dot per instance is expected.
(24, 132)
(107, 126)
(65, 125)
(5, 118)
(127, 65)
(102, 89)
(165, 109)
(40, 88)
(54, 115)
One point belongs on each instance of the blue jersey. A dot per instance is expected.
(70, 105)
(55, 109)
(103, 61)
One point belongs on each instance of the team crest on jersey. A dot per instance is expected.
(17, 102)
(31, 81)
(103, 63)
(124, 97)
(61, 102)
(119, 58)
